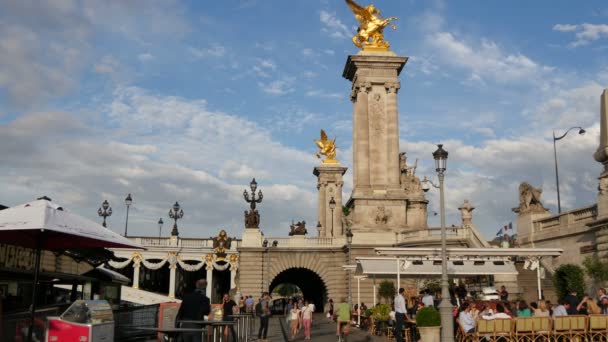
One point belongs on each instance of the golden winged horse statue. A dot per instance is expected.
(370, 34)
(327, 148)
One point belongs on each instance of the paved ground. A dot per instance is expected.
(323, 330)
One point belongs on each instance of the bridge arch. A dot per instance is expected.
(310, 283)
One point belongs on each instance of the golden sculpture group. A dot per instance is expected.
(327, 148)
(370, 34)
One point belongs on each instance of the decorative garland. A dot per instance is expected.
(152, 266)
(189, 267)
(120, 264)
(172, 260)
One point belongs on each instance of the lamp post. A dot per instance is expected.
(175, 214)
(275, 243)
(160, 226)
(107, 211)
(128, 202)
(349, 241)
(445, 307)
(580, 131)
(332, 206)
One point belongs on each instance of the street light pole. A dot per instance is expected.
(349, 241)
(580, 131)
(107, 211)
(175, 214)
(332, 206)
(128, 202)
(160, 227)
(445, 307)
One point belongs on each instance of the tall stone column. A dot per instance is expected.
(601, 156)
(379, 200)
(329, 183)
(136, 265)
(172, 269)
(209, 268)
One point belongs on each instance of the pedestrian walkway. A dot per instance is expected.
(323, 330)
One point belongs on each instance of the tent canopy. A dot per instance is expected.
(46, 225)
(388, 266)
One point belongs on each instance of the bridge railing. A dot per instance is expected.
(306, 242)
(432, 234)
(184, 243)
(570, 218)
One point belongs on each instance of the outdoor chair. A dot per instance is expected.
(532, 329)
(570, 328)
(389, 333)
(598, 328)
(494, 330)
(461, 335)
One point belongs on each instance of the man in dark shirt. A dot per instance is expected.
(504, 295)
(195, 306)
(573, 300)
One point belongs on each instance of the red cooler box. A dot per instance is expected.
(83, 321)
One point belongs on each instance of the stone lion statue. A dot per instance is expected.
(529, 198)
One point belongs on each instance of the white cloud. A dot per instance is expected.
(485, 60)
(144, 57)
(585, 33)
(212, 51)
(278, 87)
(326, 95)
(564, 27)
(334, 26)
(107, 65)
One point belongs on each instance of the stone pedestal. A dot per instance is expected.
(252, 237)
(379, 201)
(329, 184)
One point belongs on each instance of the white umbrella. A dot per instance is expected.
(42, 224)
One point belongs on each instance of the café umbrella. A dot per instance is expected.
(44, 225)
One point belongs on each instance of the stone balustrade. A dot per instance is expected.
(297, 241)
(432, 235)
(179, 243)
(579, 216)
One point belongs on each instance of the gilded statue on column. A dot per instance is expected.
(370, 34)
(327, 148)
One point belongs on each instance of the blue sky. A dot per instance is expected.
(188, 101)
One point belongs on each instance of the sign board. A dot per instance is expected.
(166, 316)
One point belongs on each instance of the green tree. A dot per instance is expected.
(567, 278)
(386, 290)
(596, 269)
(286, 290)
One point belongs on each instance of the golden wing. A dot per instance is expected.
(323, 136)
(359, 11)
(319, 143)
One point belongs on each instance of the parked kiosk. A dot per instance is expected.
(83, 321)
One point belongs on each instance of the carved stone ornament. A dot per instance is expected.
(382, 215)
(252, 219)
(466, 210)
(602, 186)
(221, 244)
(529, 199)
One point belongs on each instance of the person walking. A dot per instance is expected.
(294, 319)
(400, 313)
(342, 313)
(264, 314)
(329, 309)
(195, 306)
(307, 319)
(229, 308)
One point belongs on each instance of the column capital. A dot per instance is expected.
(392, 87)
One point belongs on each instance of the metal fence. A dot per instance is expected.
(128, 317)
(14, 326)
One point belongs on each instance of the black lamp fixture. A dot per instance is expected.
(107, 211)
(160, 227)
(175, 213)
(128, 202)
(441, 159)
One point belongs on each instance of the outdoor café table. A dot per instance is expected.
(217, 326)
(171, 333)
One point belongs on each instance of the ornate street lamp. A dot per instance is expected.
(107, 211)
(445, 307)
(128, 202)
(581, 131)
(319, 227)
(332, 206)
(175, 214)
(349, 241)
(160, 226)
(252, 217)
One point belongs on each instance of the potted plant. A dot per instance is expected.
(381, 315)
(428, 321)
